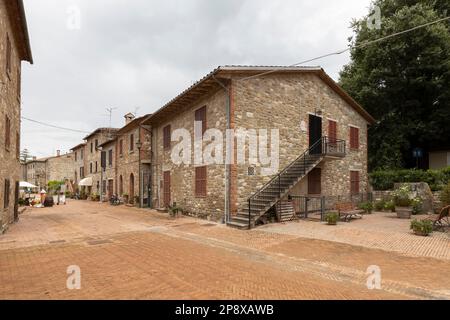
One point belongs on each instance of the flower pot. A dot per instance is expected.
(404, 212)
(421, 233)
(332, 223)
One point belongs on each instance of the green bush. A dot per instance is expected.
(417, 205)
(385, 179)
(379, 205)
(332, 218)
(423, 227)
(366, 206)
(445, 195)
(389, 206)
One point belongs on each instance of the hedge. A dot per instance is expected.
(385, 179)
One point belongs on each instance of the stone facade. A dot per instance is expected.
(92, 157)
(132, 146)
(78, 166)
(280, 100)
(182, 178)
(14, 48)
(37, 172)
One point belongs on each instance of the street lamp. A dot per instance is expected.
(139, 146)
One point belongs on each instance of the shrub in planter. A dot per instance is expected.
(332, 218)
(389, 206)
(379, 205)
(366, 206)
(445, 195)
(422, 227)
(403, 202)
(174, 210)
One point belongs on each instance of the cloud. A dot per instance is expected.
(142, 53)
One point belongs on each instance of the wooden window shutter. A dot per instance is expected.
(200, 181)
(354, 138)
(17, 145)
(8, 55)
(7, 133)
(332, 131)
(354, 182)
(166, 137)
(131, 142)
(200, 115)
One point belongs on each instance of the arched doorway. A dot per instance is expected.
(131, 188)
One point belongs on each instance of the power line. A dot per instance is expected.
(53, 126)
(364, 44)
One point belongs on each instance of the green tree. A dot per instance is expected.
(404, 82)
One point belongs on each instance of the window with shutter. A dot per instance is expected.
(166, 137)
(354, 138)
(200, 116)
(131, 142)
(332, 131)
(110, 157)
(200, 181)
(6, 194)
(354, 182)
(121, 147)
(7, 133)
(17, 146)
(8, 55)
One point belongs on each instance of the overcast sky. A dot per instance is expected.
(131, 54)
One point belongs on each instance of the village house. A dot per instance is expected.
(14, 48)
(78, 164)
(58, 168)
(320, 132)
(127, 171)
(91, 159)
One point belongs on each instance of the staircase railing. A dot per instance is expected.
(323, 146)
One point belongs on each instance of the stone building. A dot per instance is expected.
(14, 48)
(127, 171)
(78, 167)
(90, 157)
(58, 168)
(37, 172)
(302, 106)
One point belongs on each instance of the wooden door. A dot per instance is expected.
(166, 188)
(315, 134)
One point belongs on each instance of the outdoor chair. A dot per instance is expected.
(347, 211)
(442, 220)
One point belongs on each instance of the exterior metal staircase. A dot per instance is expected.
(280, 185)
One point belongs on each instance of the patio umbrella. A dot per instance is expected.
(24, 184)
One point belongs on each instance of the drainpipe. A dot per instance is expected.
(227, 166)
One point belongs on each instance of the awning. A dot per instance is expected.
(86, 182)
(24, 184)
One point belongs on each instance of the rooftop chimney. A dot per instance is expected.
(34, 158)
(129, 117)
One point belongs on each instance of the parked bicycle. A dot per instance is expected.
(115, 200)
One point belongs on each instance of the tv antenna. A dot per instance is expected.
(110, 112)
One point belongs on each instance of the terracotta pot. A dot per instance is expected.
(420, 233)
(404, 212)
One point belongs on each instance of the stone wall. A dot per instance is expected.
(284, 102)
(9, 107)
(183, 176)
(60, 168)
(37, 173)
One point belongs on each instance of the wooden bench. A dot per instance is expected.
(347, 211)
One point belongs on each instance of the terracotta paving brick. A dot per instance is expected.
(128, 253)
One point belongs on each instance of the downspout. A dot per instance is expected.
(227, 166)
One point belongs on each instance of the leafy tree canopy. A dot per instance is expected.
(404, 82)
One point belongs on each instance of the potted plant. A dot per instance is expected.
(366, 206)
(422, 227)
(403, 202)
(332, 218)
(174, 210)
(125, 198)
(389, 206)
(379, 205)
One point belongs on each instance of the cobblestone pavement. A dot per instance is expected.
(128, 253)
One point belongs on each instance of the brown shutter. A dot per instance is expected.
(200, 115)
(131, 142)
(354, 138)
(166, 188)
(8, 54)
(200, 181)
(332, 131)
(7, 133)
(354, 182)
(166, 137)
